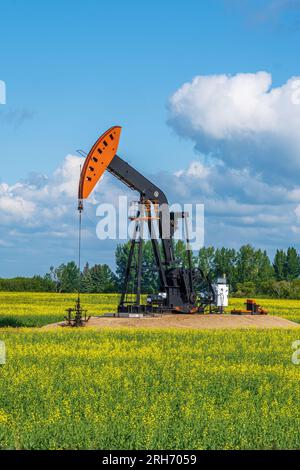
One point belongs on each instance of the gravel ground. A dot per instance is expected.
(201, 322)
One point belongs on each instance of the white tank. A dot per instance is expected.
(221, 292)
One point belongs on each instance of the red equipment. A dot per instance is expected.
(252, 308)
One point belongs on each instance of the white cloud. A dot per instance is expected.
(221, 106)
(242, 121)
(67, 176)
(15, 206)
(39, 220)
(247, 138)
(195, 170)
(39, 198)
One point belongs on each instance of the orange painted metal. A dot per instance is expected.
(98, 160)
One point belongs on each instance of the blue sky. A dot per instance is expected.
(73, 69)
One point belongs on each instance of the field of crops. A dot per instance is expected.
(124, 389)
(160, 389)
(31, 309)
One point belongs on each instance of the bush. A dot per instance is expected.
(245, 289)
(27, 284)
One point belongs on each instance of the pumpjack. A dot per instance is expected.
(182, 289)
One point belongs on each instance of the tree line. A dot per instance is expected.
(249, 272)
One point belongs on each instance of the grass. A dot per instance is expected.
(119, 389)
(31, 309)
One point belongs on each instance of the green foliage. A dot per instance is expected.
(29, 284)
(286, 265)
(265, 268)
(181, 255)
(67, 277)
(86, 281)
(244, 268)
(253, 265)
(224, 263)
(97, 279)
(279, 265)
(149, 270)
(102, 279)
(150, 281)
(245, 289)
(206, 260)
(121, 256)
(249, 271)
(292, 269)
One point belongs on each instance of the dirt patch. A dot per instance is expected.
(201, 322)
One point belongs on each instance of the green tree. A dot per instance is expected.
(150, 278)
(265, 270)
(67, 276)
(181, 254)
(28, 284)
(253, 266)
(225, 263)
(86, 282)
(279, 265)
(247, 269)
(121, 257)
(245, 289)
(292, 269)
(102, 278)
(206, 260)
(150, 281)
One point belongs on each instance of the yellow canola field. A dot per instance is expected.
(159, 389)
(38, 309)
(113, 389)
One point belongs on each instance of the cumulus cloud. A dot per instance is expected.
(247, 156)
(39, 220)
(16, 207)
(195, 170)
(242, 121)
(239, 209)
(234, 193)
(38, 199)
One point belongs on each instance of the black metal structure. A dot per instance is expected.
(182, 289)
